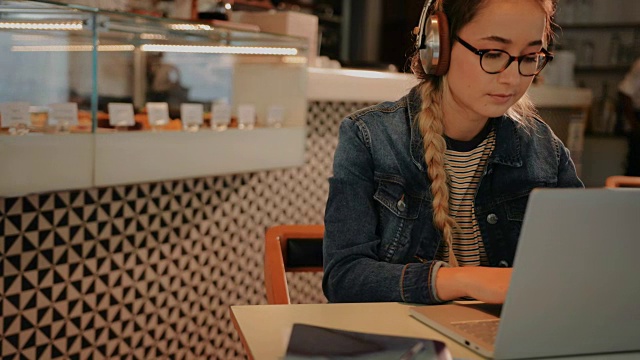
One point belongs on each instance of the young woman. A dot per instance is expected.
(429, 192)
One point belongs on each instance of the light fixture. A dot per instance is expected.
(147, 36)
(235, 50)
(191, 27)
(70, 48)
(54, 26)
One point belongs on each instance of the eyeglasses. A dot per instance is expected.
(494, 61)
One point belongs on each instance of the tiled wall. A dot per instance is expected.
(149, 270)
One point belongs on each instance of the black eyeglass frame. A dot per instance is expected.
(481, 52)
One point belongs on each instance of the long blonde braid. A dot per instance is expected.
(432, 130)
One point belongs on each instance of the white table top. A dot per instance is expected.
(265, 329)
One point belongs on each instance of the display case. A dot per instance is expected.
(103, 98)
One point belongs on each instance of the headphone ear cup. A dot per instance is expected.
(436, 52)
(442, 66)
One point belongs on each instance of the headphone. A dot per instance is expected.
(433, 40)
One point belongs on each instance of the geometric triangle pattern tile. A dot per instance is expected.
(149, 270)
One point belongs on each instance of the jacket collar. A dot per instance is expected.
(507, 148)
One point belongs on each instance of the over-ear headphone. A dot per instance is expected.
(433, 40)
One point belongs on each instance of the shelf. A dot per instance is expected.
(39, 163)
(605, 136)
(602, 68)
(598, 26)
(329, 19)
(254, 4)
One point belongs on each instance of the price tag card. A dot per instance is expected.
(275, 115)
(158, 113)
(220, 114)
(14, 113)
(191, 114)
(121, 114)
(246, 115)
(63, 113)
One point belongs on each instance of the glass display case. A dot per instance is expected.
(134, 84)
(71, 54)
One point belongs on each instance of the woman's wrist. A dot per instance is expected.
(450, 284)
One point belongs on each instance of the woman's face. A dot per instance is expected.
(515, 26)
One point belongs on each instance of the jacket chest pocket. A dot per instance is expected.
(392, 196)
(398, 211)
(515, 207)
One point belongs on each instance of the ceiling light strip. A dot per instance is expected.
(63, 26)
(70, 48)
(236, 50)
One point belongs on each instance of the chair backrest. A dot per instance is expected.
(622, 181)
(290, 248)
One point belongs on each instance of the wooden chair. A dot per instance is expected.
(622, 181)
(290, 248)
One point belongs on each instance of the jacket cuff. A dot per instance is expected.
(417, 283)
(432, 280)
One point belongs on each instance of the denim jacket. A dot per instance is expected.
(380, 241)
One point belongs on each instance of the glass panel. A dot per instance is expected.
(39, 44)
(139, 60)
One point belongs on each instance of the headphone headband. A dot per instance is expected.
(421, 24)
(433, 40)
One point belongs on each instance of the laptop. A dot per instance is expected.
(575, 287)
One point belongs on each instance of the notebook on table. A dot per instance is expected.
(574, 288)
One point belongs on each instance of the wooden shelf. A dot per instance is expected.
(598, 26)
(252, 4)
(330, 19)
(602, 68)
(614, 136)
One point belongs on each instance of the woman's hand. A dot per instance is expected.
(486, 284)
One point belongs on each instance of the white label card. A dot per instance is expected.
(158, 113)
(63, 113)
(121, 114)
(220, 114)
(246, 115)
(191, 114)
(275, 115)
(14, 113)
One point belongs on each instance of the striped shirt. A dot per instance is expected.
(464, 168)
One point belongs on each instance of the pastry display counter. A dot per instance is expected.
(97, 98)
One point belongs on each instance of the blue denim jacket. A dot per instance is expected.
(380, 241)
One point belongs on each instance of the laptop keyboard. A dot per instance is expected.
(485, 330)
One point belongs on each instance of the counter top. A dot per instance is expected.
(41, 163)
(357, 85)
(377, 86)
(560, 96)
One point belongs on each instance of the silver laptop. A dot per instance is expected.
(575, 287)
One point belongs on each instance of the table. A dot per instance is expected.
(265, 329)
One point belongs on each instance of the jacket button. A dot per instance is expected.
(492, 219)
(503, 263)
(401, 205)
